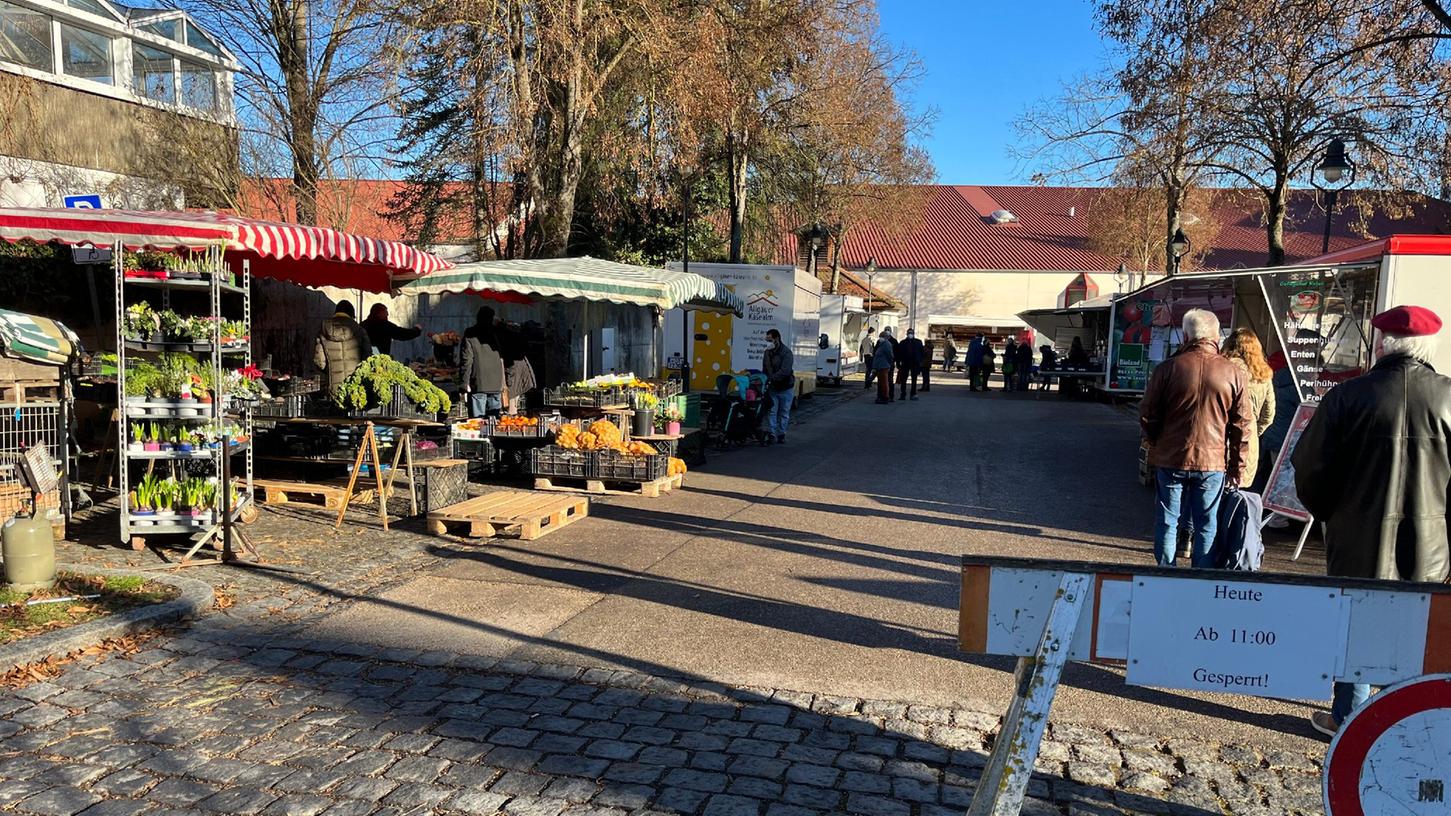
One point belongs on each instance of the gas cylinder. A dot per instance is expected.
(28, 547)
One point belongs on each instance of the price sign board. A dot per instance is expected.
(1393, 755)
(1264, 640)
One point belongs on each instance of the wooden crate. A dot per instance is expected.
(21, 381)
(527, 515)
(327, 495)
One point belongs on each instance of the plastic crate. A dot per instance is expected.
(576, 398)
(440, 483)
(476, 450)
(291, 405)
(556, 461)
(540, 431)
(404, 408)
(612, 466)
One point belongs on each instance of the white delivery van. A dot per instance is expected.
(784, 298)
(843, 319)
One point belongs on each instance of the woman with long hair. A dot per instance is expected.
(1244, 349)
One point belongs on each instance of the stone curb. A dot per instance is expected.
(195, 599)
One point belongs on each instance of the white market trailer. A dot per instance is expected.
(843, 319)
(785, 298)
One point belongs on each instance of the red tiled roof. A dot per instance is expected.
(954, 233)
(357, 206)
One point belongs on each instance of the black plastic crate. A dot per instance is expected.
(441, 483)
(404, 408)
(291, 405)
(581, 398)
(479, 450)
(556, 461)
(612, 466)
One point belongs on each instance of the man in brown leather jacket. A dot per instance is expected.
(1196, 416)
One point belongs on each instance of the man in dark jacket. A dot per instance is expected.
(974, 361)
(882, 358)
(909, 364)
(780, 373)
(928, 350)
(1374, 467)
(483, 366)
(1024, 365)
(341, 346)
(1196, 417)
(382, 331)
(867, 349)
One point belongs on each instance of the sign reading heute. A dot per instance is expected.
(1263, 640)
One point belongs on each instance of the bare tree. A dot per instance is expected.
(312, 88)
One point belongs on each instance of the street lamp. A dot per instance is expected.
(817, 238)
(1179, 245)
(871, 273)
(1338, 172)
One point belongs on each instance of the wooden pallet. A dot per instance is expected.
(527, 515)
(651, 489)
(327, 495)
(29, 391)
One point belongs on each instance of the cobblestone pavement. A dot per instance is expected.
(243, 716)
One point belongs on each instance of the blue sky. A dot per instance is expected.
(984, 68)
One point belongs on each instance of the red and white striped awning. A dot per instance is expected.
(311, 256)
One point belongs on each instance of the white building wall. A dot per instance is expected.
(997, 293)
(31, 183)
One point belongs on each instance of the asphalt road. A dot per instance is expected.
(831, 565)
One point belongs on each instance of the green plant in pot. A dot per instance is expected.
(181, 439)
(175, 328)
(166, 498)
(140, 323)
(153, 437)
(138, 438)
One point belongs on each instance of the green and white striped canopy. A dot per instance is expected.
(37, 339)
(583, 278)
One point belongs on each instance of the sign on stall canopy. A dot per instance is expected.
(1322, 318)
(1255, 634)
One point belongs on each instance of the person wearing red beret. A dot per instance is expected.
(1374, 467)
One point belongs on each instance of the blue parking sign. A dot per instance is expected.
(83, 202)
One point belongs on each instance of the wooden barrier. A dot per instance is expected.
(1257, 634)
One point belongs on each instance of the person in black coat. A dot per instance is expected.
(1023, 365)
(1373, 466)
(382, 331)
(909, 363)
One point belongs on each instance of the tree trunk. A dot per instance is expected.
(1275, 221)
(301, 107)
(736, 168)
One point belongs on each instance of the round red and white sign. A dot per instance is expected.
(1394, 754)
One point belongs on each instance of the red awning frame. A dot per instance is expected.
(310, 256)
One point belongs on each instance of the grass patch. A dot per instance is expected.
(20, 619)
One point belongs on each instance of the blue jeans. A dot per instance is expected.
(778, 415)
(484, 404)
(1187, 492)
(1348, 697)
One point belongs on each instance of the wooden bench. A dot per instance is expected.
(527, 515)
(327, 495)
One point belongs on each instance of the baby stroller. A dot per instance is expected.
(736, 413)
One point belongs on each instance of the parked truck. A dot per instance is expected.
(843, 319)
(781, 297)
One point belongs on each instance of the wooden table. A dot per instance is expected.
(368, 446)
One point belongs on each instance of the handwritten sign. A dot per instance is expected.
(1264, 640)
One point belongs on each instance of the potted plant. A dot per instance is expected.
(153, 437)
(164, 433)
(670, 419)
(140, 322)
(645, 404)
(143, 497)
(138, 439)
(165, 499)
(174, 327)
(181, 438)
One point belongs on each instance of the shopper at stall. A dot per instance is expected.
(1010, 364)
(949, 354)
(1196, 417)
(1374, 467)
(1243, 349)
(909, 364)
(519, 380)
(989, 365)
(974, 361)
(883, 356)
(1024, 365)
(382, 331)
(867, 350)
(1048, 362)
(483, 366)
(928, 349)
(780, 373)
(341, 346)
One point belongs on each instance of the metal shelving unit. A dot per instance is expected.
(201, 528)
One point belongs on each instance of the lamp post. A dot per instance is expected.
(1338, 172)
(871, 273)
(1179, 245)
(817, 237)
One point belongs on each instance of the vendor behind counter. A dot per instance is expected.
(382, 331)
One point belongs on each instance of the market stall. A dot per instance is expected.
(36, 354)
(187, 391)
(601, 424)
(1085, 321)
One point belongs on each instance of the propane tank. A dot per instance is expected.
(28, 546)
